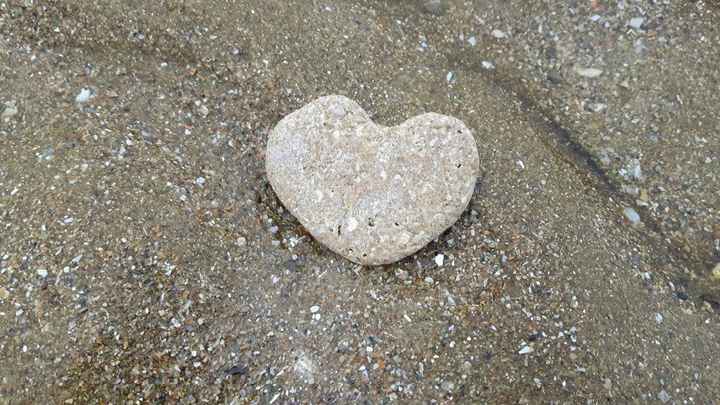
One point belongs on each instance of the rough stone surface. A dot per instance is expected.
(370, 193)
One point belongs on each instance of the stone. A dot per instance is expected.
(588, 72)
(631, 215)
(436, 7)
(498, 34)
(4, 294)
(716, 273)
(370, 193)
(636, 23)
(84, 96)
(9, 111)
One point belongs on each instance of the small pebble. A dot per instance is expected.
(597, 107)
(429, 280)
(447, 386)
(658, 318)
(314, 309)
(84, 96)
(487, 65)
(632, 216)
(716, 272)
(472, 41)
(200, 181)
(498, 34)
(436, 7)
(663, 396)
(42, 273)
(9, 111)
(636, 23)
(526, 350)
(401, 274)
(588, 72)
(439, 259)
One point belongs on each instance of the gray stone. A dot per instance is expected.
(632, 216)
(636, 23)
(9, 111)
(588, 72)
(437, 7)
(370, 193)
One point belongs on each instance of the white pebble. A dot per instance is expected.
(314, 309)
(631, 215)
(658, 318)
(498, 34)
(9, 110)
(472, 41)
(588, 72)
(487, 65)
(84, 96)
(636, 22)
(526, 350)
(439, 259)
(42, 273)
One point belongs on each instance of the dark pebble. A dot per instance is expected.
(237, 370)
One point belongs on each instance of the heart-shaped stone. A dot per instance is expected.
(370, 193)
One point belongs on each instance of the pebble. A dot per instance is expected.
(447, 386)
(241, 241)
(716, 273)
(636, 22)
(588, 72)
(401, 274)
(663, 396)
(631, 215)
(84, 96)
(658, 318)
(436, 7)
(487, 65)
(314, 309)
(397, 206)
(597, 107)
(526, 350)
(4, 294)
(429, 280)
(200, 181)
(472, 41)
(498, 34)
(439, 260)
(42, 273)
(9, 111)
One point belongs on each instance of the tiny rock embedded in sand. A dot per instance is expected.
(370, 193)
